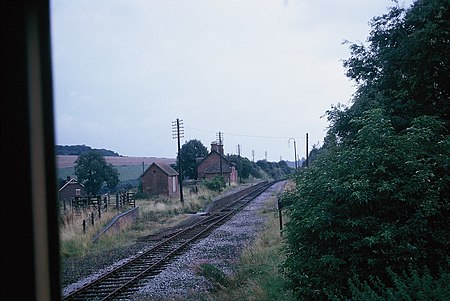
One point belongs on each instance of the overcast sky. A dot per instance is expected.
(258, 71)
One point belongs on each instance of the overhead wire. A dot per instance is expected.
(245, 135)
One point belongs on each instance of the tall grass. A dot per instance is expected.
(155, 213)
(73, 240)
(257, 275)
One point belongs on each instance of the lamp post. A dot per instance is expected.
(295, 152)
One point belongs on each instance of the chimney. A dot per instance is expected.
(217, 147)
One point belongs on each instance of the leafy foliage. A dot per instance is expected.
(93, 171)
(247, 168)
(275, 170)
(407, 62)
(216, 184)
(243, 165)
(193, 149)
(189, 153)
(375, 201)
(411, 286)
(214, 274)
(381, 203)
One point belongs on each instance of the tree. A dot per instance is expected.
(381, 203)
(285, 168)
(406, 62)
(190, 151)
(93, 171)
(375, 201)
(274, 170)
(243, 165)
(111, 177)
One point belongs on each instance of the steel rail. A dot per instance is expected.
(124, 279)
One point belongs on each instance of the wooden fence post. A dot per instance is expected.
(280, 216)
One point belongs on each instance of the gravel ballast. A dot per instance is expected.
(181, 279)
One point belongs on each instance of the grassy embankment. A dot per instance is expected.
(154, 214)
(257, 275)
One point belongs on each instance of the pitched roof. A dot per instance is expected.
(70, 182)
(164, 167)
(215, 168)
(213, 151)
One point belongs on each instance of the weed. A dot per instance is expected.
(214, 274)
(257, 275)
(155, 213)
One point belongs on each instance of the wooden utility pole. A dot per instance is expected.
(177, 134)
(295, 153)
(220, 152)
(280, 216)
(239, 162)
(307, 153)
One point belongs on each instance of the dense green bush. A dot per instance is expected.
(374, 203)
(381, 203)
(216, 184)
(411, 286)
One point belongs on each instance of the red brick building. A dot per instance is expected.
(160, 178)
(71, 189)
(216, 164)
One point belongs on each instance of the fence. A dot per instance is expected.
(125, 198)
(91, 207)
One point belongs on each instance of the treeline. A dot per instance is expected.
(76, 150)
(261, 169)
(193, 151)
(369, 218)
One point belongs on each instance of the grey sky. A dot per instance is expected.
(258, 71)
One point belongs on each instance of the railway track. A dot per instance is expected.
(126, 279)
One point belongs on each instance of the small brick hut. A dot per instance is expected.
(160, 178)
(71, 189)
(216, 164)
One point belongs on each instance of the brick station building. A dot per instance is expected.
(160, 178)
(216, 164)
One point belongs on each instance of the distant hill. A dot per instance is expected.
(129, 168)
(76, 150)
(65, 161)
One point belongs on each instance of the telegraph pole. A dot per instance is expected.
(177, 134)
(295, 152)
(220, 152)
(239, 159)
(307, 154)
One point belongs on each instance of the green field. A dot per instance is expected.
(126, 172)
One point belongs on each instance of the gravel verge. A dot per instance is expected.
(180, 280)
